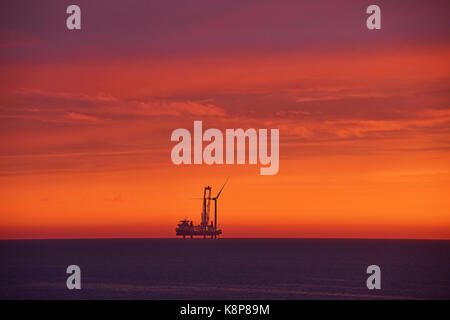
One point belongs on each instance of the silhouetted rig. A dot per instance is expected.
(187, 228)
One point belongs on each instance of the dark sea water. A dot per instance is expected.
(224, 269)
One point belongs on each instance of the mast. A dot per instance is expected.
(215, 217)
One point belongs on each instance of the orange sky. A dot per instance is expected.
(364, 140)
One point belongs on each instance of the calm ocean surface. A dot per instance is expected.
(224, 269)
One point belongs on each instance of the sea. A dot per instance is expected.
(224, 269)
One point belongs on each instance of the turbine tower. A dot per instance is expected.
(215, 207)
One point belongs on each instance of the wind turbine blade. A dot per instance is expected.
(222, 188)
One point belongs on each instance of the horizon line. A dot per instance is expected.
(229, 238)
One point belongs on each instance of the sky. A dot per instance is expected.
(86, 117)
